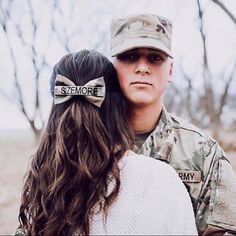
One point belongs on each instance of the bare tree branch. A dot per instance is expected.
(208, 98)
(13, 58)
(225, 9)
(205, 59)
(226, 89)
(34, 58)
(189, 93)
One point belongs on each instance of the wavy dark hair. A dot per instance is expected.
(78, 154)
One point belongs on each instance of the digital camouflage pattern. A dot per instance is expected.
(202, 166)
(136, 31)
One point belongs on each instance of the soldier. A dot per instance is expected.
(141, 45)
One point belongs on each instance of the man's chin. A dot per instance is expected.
(140, 102)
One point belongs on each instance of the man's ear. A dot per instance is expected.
(171, 69)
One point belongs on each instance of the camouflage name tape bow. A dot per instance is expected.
(93, 91)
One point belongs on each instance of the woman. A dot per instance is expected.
(82, 179)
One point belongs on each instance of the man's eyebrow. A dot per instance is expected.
(160, 53)
(156, 51)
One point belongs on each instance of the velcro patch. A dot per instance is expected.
(190, 176)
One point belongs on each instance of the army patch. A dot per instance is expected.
(190, 176)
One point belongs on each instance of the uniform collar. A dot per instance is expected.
(160, 142)
(166, 119)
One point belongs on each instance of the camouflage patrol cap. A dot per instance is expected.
(143, 30)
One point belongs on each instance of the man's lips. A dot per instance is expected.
(141, 82)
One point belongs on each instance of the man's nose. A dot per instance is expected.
(142, 67)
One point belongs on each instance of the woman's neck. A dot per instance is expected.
(144, 119)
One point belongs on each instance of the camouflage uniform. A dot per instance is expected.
(202, 166)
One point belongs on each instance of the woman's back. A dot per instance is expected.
(151, 200)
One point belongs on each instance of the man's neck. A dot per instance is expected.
(144, 119)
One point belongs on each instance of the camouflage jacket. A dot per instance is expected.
(202, 166)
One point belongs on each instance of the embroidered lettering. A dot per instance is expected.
(190, 176)
(186, 176)
(95, 92)
(90, 91)
(78, 90)
(63, 90)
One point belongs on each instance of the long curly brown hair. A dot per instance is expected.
(78, 154)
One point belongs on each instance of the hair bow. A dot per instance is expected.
(94, 91)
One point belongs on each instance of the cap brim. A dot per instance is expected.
(140, 43)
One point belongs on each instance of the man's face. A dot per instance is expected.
(143, 75)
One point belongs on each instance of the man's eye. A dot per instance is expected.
(152, 58)
(129, 57)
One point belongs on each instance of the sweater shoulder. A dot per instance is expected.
(151, 169)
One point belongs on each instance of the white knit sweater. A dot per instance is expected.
(152, 201)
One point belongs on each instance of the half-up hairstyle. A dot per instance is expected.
(78, 154)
